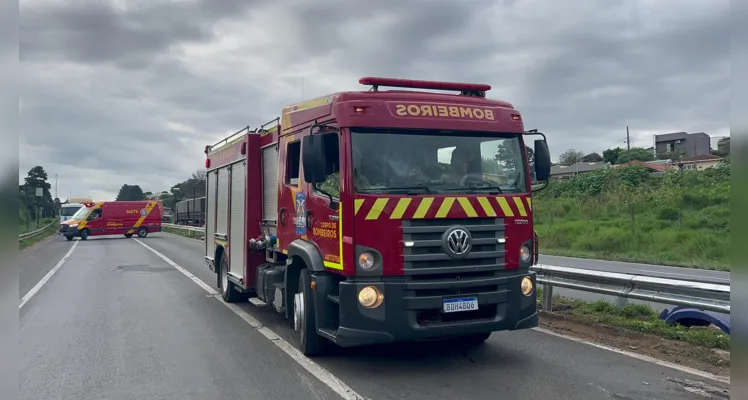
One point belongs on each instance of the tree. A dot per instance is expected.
(612, 155)
(130, 193)
(592, 158)
(636, 153)
(570, 157)
(36, 178)
(530, 156)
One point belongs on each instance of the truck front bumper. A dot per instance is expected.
(407, 314)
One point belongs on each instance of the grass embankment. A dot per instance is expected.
(25, 243)
(628, 214)
(637, 318)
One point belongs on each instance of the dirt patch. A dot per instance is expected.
(714, 361)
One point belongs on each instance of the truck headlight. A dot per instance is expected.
(370, 297)
(73, 226)
(366, 261)
(525, 255)
(527, 286)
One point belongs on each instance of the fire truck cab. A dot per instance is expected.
(380, 216)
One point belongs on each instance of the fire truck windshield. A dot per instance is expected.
(424, 161)
(81, 213)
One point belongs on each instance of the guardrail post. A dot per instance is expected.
(547, 298)
(622, 301)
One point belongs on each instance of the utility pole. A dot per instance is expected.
(628, 144)
(56, 186)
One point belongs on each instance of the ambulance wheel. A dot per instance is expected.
(142, 232)
(69, 238)
(310, 343)
(128, 235)
(228, 291)
(84, 234)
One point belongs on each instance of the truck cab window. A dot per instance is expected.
(293, 162)
(331, 185)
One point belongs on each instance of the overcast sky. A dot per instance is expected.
(130, 91)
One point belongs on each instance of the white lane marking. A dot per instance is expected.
(690, 276)
(46, 278)
(662, 363)
(305, 362)
(640, 357)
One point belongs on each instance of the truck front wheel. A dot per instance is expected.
(310, 343)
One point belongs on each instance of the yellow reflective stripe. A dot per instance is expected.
(505, 207)
(358, 203)
(423, 208)
(338, 266)
(520, 206)
(148, 208)
(529, 203)
(486, 205)
(469, 210)
(445, 207)
(84, 221)
(377, 208)
(400, 208)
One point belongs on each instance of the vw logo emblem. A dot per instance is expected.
(457, 242)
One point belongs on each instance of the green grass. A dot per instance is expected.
(680, 219)
(639, 318)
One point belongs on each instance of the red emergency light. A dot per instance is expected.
(433, 85)
(207, 163)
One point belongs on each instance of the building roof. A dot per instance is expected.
(656, 166)
(578, 167)
(701, 157)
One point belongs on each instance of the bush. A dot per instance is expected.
(628, 214)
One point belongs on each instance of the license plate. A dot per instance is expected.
(462, 304)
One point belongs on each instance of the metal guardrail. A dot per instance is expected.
(699, 295)
(34, 233)
(191, 229)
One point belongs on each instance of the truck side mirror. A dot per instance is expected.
(313, 158)
(542, 161)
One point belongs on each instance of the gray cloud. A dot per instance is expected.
(130, 95)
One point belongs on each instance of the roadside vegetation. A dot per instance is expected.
(25, 243)
(628, 214)
(637, 318)
(182, 232)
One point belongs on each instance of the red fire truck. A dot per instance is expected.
(380, 216)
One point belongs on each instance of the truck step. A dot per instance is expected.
(334, 298)
(257, 302)
(331, 334)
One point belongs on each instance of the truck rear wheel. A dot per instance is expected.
(142, 232)
(84, 234)
(228, 291)
(310, 343)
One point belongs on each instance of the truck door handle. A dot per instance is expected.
(309, 220)
(282, 218)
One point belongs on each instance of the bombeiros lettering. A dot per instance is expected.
(433, 110)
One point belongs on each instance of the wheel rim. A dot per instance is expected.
(298, 311)
(224, 278)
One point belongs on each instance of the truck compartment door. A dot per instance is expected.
(210, 195)
(222, 202)
(238, 228)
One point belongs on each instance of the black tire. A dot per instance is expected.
(128, 235)
(229, 293)
(142, 232)
(84, 234)
(310, 343)
(69, 238)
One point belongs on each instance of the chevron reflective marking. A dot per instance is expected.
(374, 208)
(486, 205)
(520, 206)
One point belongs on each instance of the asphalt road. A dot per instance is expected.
(116, 321)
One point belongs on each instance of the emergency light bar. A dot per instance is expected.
(433, 85)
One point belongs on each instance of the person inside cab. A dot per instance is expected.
(465, 167)
(95, 214)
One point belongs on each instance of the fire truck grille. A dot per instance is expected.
(425, 257)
